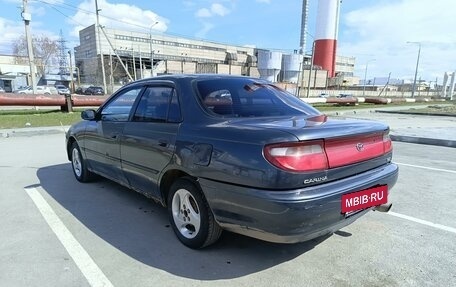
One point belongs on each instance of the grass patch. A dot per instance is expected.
(37, 118)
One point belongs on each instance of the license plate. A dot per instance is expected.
(364, 198)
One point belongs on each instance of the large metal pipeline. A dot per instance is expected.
(31, 100)
(50, 100)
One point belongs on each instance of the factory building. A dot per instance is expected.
(129, 55)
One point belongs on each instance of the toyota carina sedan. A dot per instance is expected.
(237, 154)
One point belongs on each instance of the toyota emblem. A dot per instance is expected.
(359, 146)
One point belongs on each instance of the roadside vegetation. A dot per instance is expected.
(435, 109)
(37, 118)
(45, 117)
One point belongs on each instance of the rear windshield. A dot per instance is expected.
(234, 97)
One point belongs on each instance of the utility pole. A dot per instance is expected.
(99, 46)
(365, 76)
(27, 17)
(151, 50)
(117, 55)
(134, 62)
(71, 74)
(311, 68)
(111, 76)
(416, 68)
(140, 63)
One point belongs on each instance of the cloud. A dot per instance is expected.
(117, 16)
(219, 9)
(188, 3)
(203, 32)
(382, 31)
(203, 13)
(12, 30)
(216, 9)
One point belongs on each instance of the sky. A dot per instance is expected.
(375, 32)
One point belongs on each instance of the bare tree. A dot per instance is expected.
(45, 51)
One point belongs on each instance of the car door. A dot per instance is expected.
(102, 140)
(148, 140)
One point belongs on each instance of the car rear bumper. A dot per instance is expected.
(292, 215)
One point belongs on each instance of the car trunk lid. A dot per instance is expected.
(343, 141)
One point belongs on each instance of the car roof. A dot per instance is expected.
(174, 77)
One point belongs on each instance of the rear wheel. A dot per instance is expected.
(79, 165)
(190, 216)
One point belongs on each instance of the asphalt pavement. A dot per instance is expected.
(59, 232)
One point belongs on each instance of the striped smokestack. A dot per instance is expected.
(326, 35)
(305, 12)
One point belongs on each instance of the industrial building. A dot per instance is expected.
(146, 54)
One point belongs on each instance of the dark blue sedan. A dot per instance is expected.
(235, 153)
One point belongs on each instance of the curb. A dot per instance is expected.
(27, 132)
(425, 141)
(414, 113)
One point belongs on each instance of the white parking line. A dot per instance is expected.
(425, 167)
(424, 222)
(85, 263)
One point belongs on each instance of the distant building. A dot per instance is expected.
(166, 54)
(145, 54)
(13, 73)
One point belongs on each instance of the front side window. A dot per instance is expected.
(234, 97)
(119, 108)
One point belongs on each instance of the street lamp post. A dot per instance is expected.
(416, 68)
(151, 50)
(365, 76)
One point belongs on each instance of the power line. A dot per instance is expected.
(74, 8)
(52, 5)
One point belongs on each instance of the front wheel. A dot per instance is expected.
(79, 165)
(190, 216)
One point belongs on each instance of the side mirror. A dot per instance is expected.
(88, 115)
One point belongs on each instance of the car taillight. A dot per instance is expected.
(300, 156)
(387, 144)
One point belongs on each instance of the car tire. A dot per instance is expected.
(190, 215)
(79, 165)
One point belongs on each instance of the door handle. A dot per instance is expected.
(163, 143)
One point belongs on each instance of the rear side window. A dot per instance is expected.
(158, 104)
(234, 97)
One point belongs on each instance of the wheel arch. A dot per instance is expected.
(70, 142)
(167, 180)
